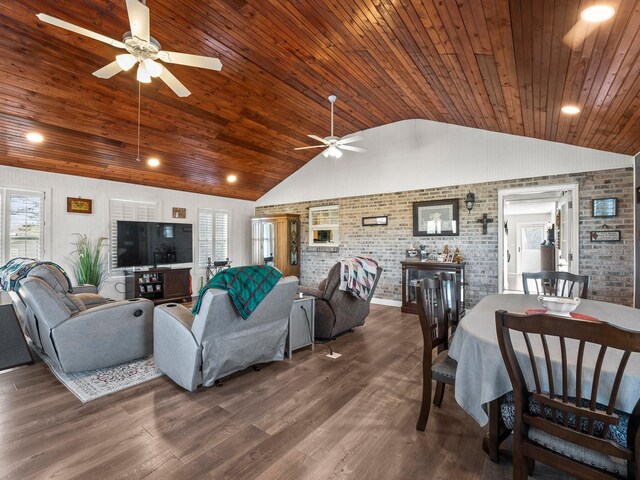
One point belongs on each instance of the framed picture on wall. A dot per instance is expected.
(605, 207)
(436, 218)
(79, 205)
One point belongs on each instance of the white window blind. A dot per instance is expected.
(127, 210)
(213, 236)
(21, 224)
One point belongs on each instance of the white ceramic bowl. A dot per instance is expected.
(559, 305)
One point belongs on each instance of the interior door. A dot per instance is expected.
(529, 237)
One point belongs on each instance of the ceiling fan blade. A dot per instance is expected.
(138, 19)
(174, 84)
(108, 71)
(82, 31)
(306, 148)
(352, 149)
(320, 139)
(190, 60)
(345, 140)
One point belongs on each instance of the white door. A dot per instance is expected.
(529, 237)
(565, 233)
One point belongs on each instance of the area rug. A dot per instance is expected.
(92, 384)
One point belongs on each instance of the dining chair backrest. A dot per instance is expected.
(431, 312)
(448, 283)
(557, 284)
(580, 420)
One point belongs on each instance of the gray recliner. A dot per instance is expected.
(196, 350)
(81, 331)
(338, 311)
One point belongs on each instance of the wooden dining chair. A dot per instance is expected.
(449, 285)
(557, 284)
(577, 435)
(434, 322)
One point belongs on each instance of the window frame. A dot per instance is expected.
(5, 219)
(333, 227)
(201, 261)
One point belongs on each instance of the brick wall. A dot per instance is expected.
(610, 265)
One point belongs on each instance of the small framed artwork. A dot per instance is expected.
(79, 205)
(605, 207)
(436, 218)
(605, 236)
(178, 212)
(375, 221)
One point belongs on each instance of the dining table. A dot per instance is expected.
(482, 378)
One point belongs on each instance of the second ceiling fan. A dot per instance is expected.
(332, 144)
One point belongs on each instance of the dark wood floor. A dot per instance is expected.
(306, 418)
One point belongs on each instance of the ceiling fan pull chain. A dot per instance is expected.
(138, 157)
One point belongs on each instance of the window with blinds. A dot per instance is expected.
(21, 224)
(213, 236)
(127, 210)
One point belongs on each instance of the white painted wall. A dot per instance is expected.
(416, 154)
(62, 225)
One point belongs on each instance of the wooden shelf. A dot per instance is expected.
(175, 284)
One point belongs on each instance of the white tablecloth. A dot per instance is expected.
(482, 375)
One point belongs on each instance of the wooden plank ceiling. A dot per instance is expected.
(493, 64)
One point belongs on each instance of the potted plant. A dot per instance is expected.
(88, 261)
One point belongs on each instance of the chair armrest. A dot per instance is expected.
(313, 292)
(176, 351)
(91, 300)
(85, 288)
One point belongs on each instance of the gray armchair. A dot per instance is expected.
(196, 350)
(81, 331)
(337, 311)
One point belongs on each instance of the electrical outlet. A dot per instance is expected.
(334, 355)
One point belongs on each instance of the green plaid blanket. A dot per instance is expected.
(247, 286)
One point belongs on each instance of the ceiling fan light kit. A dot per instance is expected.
(142, 49)
(334, 145)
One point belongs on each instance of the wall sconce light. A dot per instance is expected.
(469, 201)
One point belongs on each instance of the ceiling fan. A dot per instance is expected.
(333, 144)
(143, 49)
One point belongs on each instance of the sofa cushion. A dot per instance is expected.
(59, 282)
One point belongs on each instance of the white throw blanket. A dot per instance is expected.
(358, 276)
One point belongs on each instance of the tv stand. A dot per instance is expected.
(160, 285)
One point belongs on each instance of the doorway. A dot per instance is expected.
(538, 229)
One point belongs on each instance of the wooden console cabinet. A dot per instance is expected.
(413, 270)
(160, 285)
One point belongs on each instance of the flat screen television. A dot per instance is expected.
(154, 243)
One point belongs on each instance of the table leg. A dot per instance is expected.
(497, 431)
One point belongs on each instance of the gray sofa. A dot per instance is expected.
(81, 331)
(337, 311)
(198, 350)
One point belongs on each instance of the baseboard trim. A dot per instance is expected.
(388, 303)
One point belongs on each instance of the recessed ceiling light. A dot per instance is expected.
(570, 109)
(597, 13)
(231, 178)
(34, 137)
(153, 162)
